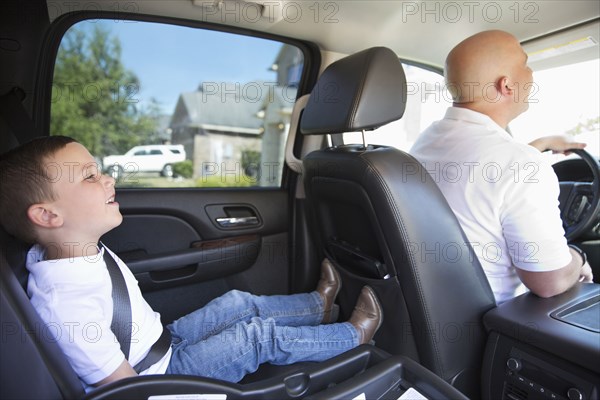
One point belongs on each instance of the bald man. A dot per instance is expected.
(504, 193)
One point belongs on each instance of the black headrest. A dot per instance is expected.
(362, 91)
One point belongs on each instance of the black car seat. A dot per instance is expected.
(379, 215)
(32, 364)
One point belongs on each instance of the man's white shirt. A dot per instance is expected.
(504, 194)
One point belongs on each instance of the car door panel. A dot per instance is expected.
(197, 264)
(196, 206)
(182, 257)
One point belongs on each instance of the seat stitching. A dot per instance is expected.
(402, 228)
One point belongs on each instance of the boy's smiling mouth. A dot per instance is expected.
(110, 200)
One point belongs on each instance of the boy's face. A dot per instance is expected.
(85, 197)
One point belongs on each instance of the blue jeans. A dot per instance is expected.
(235, 333)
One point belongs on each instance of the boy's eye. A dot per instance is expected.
(91, 177)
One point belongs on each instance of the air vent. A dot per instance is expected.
(513, 392)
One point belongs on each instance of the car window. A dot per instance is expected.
(564, 101)
(205, 108)
(427, 100)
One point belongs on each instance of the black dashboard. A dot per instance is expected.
(544, 348)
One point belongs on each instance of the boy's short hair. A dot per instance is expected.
(24, 181)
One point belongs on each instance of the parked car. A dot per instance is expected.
(233, 77)
(148, 158)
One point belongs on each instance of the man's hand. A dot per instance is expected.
(558, 144)
(586, 274)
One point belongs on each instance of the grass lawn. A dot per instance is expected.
(155, 181)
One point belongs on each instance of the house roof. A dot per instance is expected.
(230, 107)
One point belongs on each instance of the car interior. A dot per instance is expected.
(372, 209)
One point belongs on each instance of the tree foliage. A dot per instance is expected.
(589, 125)
(94, 97)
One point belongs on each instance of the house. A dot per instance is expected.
(237, 131)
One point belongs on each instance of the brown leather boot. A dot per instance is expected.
(328, 287)
(367, 315)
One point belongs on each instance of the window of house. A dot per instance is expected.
(209, 109)
(427, 101)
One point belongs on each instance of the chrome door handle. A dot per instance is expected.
(227, 222)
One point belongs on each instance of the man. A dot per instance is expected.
(504, 193)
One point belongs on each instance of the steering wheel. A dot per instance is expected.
(580, 201)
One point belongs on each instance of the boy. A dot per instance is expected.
(52, 194)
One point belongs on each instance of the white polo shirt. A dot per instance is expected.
(504, 194)
(73, 298)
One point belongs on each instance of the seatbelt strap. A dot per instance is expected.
(157, 351)
(337, 139)
(15, 115)
(121, 321)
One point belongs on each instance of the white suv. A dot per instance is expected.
(148, 158)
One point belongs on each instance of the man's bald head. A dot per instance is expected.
(478, 61)
(488, 73)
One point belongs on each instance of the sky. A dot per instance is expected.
(170, 60)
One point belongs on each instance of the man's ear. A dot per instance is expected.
(505, 86)
(44, 216)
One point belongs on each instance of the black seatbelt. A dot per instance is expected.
(121, 320)
(157, 351)
(337, 139)
(15, 115)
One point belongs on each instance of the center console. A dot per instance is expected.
(544, 348)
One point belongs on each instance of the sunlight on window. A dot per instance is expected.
(566, 102)
(427, 101)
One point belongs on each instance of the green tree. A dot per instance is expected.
(94, 97)
(591, 124)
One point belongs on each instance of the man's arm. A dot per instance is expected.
(558, 144)
(552, 283)
(124, 371)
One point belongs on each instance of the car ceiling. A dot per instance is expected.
(421, 31)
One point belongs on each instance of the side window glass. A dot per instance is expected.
(563, 109)
(427, 100)
(208, 109)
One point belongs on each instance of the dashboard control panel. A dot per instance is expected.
(522, 372)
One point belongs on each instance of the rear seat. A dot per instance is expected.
(32, 365)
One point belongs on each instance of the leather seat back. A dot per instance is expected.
(32, 365)
(381, 207)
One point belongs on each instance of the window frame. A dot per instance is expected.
(58, 28)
